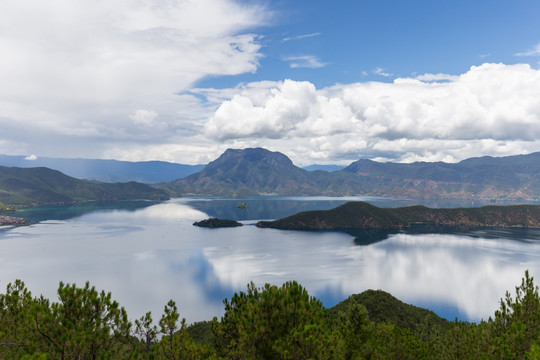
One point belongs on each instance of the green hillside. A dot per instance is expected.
(383, 307)
(31, 186)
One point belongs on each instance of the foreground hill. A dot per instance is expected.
(257, 171)
(32, 186)
(361, 215)
(148, 172)
(383, 307)
(269, 322)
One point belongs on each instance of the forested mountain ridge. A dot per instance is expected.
(32, 186)
(361, 215)
(257, 171)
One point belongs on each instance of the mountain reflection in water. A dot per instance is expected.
(151, 253)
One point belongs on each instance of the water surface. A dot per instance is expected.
(148, 253)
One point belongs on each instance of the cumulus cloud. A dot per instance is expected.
(94, 68)
(492, 109)
(304, 61)
(31, 157)
(436, 77)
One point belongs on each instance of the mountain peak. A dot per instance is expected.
(254, 157)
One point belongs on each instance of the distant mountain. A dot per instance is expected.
(254, 171)
(329, 168)
(239, 173)
(148, 172)
(361, 215)
(513, 177)
(31, 186)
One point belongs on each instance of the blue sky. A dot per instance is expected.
(350, 40)
(322, 82)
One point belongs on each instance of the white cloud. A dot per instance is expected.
(381, 72)
(535, 51)
(144, 117)
(300, 37)
(87, 68)
(436, 77)
(492, 109)
(304, 61)
(31, 157)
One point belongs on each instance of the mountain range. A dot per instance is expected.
(148, 172)
(20, 186)
(257, 171)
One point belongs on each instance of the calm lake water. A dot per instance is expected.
(147, 253)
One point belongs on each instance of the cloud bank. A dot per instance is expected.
(493, 109)
(110, 71)
(100, 79)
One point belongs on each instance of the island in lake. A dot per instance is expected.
(217, 223)
(361, 215)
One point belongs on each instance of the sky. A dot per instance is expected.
(324, 82)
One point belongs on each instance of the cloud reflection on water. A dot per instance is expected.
(470, 274)
(148, 256)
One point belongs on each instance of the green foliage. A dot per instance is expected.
(84, 323)
(146, 331)
(262, 323)
(383, 307)
(16, 331)
(273, 323)
(201, 333)
(516, 325)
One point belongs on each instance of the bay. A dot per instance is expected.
(146, 253)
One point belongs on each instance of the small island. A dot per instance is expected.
(242, 206)
(217, 223)
(361, 215)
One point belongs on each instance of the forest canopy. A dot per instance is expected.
(268, 322)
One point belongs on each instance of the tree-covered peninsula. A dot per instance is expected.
(269, 322)
(361, 215)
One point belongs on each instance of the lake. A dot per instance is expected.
(146, 253)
